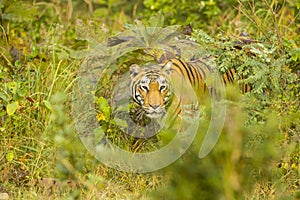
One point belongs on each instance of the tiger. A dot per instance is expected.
(150, 86)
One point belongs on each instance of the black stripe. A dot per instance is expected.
(202, 75)
(213, 91)
(207, 66)
(135, 95)
(173, 69)
(224, 81)
(204, 64)
(136, 101)
(188, 68)
(228, 77)
(175, 114)
(232, 75)
(189, 77)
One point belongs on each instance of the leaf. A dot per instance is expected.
(166, 136)
(120, 122)
(2, 113)
(98, 135)
(101, 12)
(296, 54)
(3, 96)
(20, 11)
(48, 105)
(104, 106)
(157, 20)
(12, 86)
(12, 107)
(10, 156)
(255, 51)
(297, 10)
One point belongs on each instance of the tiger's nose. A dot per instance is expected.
(154, 106)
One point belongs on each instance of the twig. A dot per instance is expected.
(90, 4)
(9, 64)
(274, 16)
(254, 21)
(70, 10)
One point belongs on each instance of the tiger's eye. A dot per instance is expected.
(145, 88)
(162, 88)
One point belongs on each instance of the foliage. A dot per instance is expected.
(185, 12)
(42, 46)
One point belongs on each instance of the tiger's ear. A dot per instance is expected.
(167, 68)
(134, 70)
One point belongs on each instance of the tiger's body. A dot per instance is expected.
(152, 87)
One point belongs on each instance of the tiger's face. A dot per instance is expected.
(150, 88)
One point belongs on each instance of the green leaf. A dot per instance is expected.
(48, 105)
(104, 106)
(120, 122)
(20, 11)
(296, 54)
(166, 136)
(101, 12)
(98, 135)
(157, 20)
(12, 107)
(10, 156)
(297, 10)
(2, 113)
(4, 97)
(12, 86)
(21, 93)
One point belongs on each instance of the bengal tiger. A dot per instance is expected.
(151, 86)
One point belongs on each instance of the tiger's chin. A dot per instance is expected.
(155, 115)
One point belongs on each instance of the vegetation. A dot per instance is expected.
(42, 46)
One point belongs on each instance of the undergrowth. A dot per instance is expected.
(43, 45)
